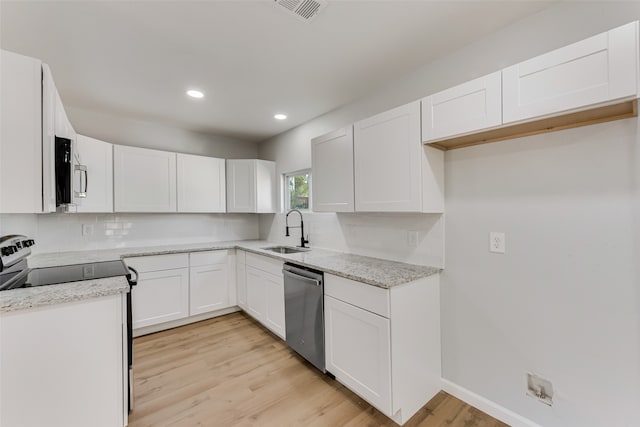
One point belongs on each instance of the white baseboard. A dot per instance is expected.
(181, 322)
(496, 411)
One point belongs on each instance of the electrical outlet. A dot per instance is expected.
(497, 242)
(87, 229)
(540, 388)
(412, 238)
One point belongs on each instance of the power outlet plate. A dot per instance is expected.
(412, 238)
(87, 229)
(497, 242)
(540, 388)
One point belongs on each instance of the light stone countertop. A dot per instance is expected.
(40, 296)
(374, 271)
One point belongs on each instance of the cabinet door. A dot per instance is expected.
(201, 184)
(275, 317)
(256, 294)
(97, 156)
(265, 186)
(144, 180)
(468, 107)
(596, 70)
(160, 296)
(241, 186)
(208, 288)
(332, 168)
(241, 279)
(21, 134)
(388, 156)
(358, 351)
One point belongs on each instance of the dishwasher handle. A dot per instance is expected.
(303, 278)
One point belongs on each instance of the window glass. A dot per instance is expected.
(297, 190)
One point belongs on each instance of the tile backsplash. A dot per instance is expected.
(64, 232)
(406, 237)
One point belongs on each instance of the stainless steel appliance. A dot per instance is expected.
(68, 190)
(304, 312)
(15, 274)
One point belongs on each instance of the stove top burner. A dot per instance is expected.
(23, 277)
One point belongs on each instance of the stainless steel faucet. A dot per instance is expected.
(303, 241)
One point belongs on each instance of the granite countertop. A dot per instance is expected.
(39, 296)
(374, 271)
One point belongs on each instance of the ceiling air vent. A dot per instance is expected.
(305, 10)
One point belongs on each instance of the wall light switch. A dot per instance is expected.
(497, 242)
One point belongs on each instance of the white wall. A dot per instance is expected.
(564, 301)
(139, 133)
(63, 232)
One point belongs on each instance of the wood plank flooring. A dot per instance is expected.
(230, 371)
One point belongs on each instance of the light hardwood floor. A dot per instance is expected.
(230, 371)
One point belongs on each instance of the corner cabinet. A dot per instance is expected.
(97, 156)
(371, 344)
(332, 166)
(201, 184)
(210, 282)
(251, 186)
(469, 107)
(144, 180)
(393, 171)
(600, 69)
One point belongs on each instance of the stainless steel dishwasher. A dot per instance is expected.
(304, 312)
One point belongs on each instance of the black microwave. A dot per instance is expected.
(65, 168)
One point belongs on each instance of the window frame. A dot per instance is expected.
(286, 196)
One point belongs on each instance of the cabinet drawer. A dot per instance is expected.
(158, 262)
(368, 297)
(208, 258)
(264, 263)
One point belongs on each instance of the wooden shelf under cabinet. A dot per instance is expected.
(592, 116)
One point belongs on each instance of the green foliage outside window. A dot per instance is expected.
(298, 191)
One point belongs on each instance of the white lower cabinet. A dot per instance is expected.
(64, 365)
(209, 282)
(241, 279)
(265, 292)
(384, 344)
(358, 351)
(162, 292)
(182, 288)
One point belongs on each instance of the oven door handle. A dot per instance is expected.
(133, 282)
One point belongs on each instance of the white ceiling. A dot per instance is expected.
(251, 58)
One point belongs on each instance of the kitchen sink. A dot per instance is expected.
(286, 249)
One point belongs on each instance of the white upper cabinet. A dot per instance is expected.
(469, 107)
(201, 184)
(21, 134)
(394, 172)
(251, 186)
(332, 167)
(97, 156)
(144, 180)
(600, 69)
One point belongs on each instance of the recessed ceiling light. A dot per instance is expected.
(280, 116)
(195, 94)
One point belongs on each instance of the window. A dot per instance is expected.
(297, 186)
